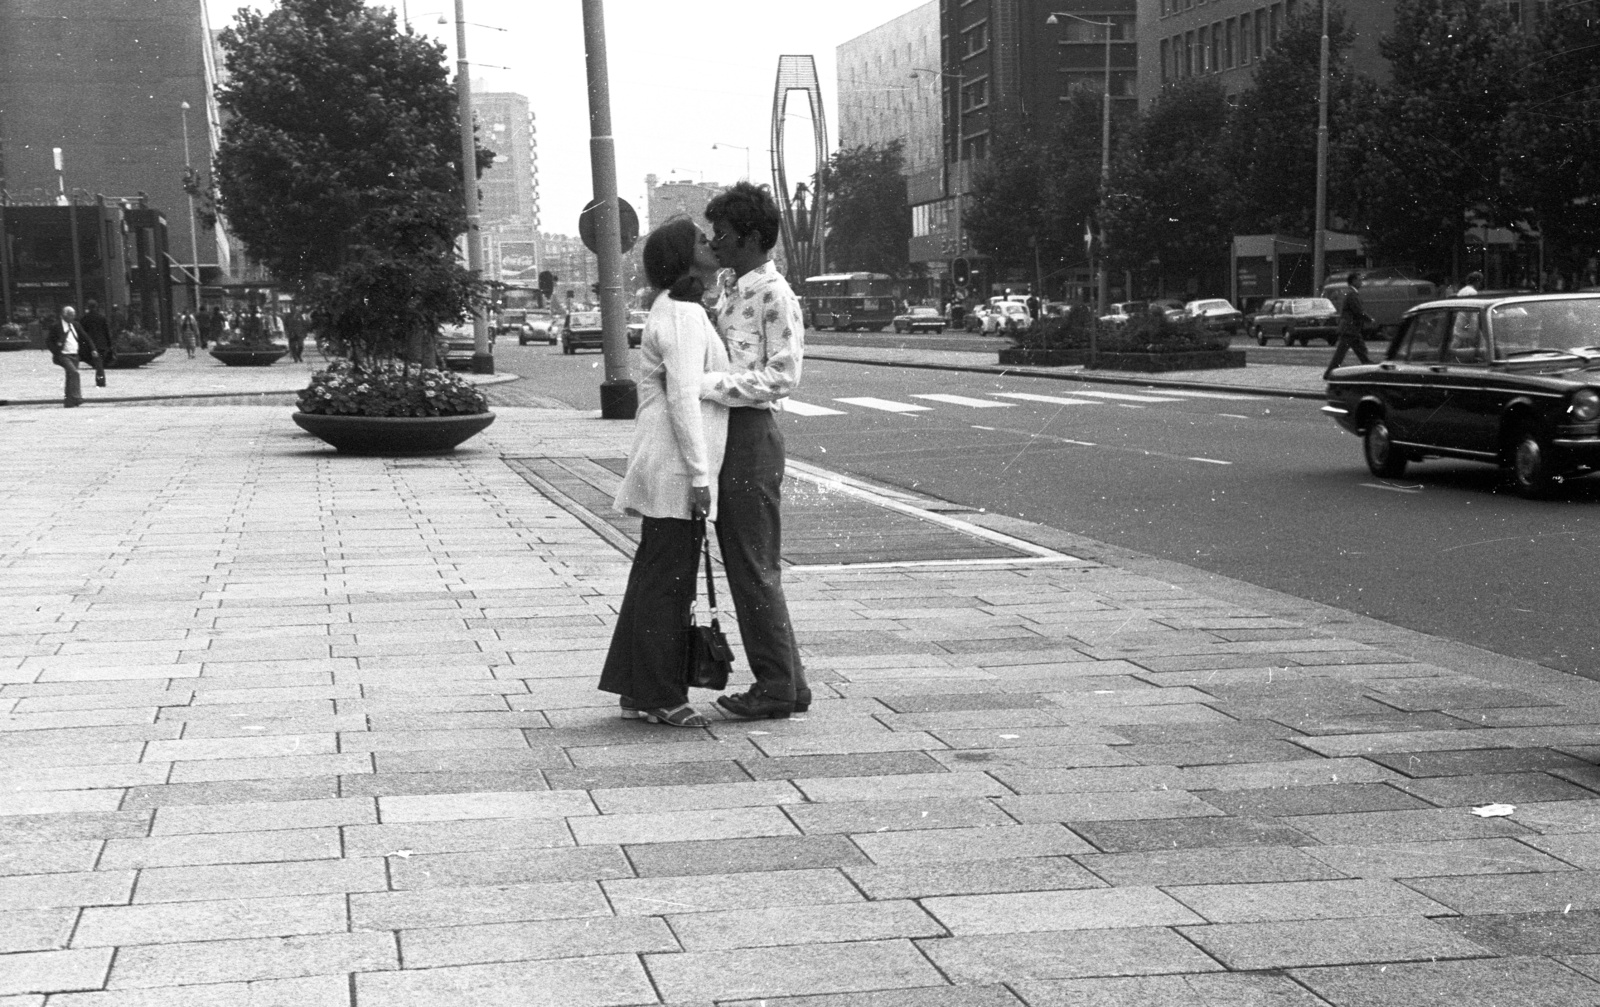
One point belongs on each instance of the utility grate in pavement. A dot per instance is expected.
(825, 523)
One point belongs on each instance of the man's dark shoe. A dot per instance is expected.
(755, 706)
(802, 701)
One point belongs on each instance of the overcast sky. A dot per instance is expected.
(683, 76)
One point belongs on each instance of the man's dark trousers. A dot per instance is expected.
(1349, 339)
(69, 363)
(749, 530)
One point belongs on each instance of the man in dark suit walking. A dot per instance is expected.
(64, 341)
(1353, 320)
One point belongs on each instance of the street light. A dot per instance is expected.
(719, 145)
(194, 238)
(961, 83)
(1319, 256)
(482, 357)
(1103, 294)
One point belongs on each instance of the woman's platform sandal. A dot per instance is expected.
(678, 716)
(628, 709)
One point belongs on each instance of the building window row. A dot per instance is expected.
(1170, 7)
(930, 218)
(1223, 45)
(975, 39)
(975, 94)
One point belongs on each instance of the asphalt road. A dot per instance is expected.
(1264, 490)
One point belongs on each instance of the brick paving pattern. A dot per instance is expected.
(285, 728)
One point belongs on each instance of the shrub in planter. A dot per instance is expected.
(1058, 332)
(390, 389)
(1153, 333)
(136, 341)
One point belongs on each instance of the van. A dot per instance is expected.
(1387, 294)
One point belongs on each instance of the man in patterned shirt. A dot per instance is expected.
(760, 320)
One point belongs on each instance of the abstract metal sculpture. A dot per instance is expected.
(803, 239)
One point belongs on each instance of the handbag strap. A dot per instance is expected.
(705, 550)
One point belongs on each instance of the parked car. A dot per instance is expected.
(919, 319)
(1512, 381)
(1013, 316)
(1120, 312)
(1387, 294)
(458, 345)
(1296, 319)
(636, 320)
(1216, 313)
(983, 319)
(582, 331)
(539, 326)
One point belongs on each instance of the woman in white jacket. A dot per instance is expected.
(671, 480)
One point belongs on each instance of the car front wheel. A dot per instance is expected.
(1531, 472)
(1261, 337)
(1384, 459)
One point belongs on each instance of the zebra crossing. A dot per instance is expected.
(1005, 400)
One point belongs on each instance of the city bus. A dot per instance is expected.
(846, 301)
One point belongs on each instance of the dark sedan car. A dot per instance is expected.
(919, 319)
(582, 331)
(1294, 319)
(1512, 381)
(636, 320)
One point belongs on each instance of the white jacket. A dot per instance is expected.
(678, 439)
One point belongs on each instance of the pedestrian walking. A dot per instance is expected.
(1472, 286)
(1353, 322)
(65, 340)
(762, 324)
(671, 480)
(188, 333)
(98, 329)
(294, 330)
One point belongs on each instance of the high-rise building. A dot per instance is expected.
(106, 84)
(889, 82)
(509, 207)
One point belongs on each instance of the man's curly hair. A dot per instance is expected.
(744, 208)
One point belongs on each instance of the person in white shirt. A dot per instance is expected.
(762, 324)
(66, 341)
(1472, 286)
(671, 480)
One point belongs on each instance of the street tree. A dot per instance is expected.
(1551, 141)
(868, 212)
(339, 169)
(1428, 162)
(1270, 150)
(1166, 214)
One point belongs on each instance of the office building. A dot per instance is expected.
(665, 200)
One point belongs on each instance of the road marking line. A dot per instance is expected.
(962, 400)
(1234, 416)
(1038, 436)
(1211, 395)
(1393, 489)
(1208, 461)
(839, 484)
(807, 409)
(886, 405)
(1125, 397)
(1054, 400)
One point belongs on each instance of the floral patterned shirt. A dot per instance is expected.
(761, 322)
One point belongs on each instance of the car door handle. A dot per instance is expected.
(1437, 368)
(1386, 367)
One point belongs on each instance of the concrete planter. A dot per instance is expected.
(125, 361)
(395, 436)
(8, 345)
(1188, 360)
(255, 357)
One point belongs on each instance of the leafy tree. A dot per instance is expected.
(1165, 213)
(339, 168)
(1551, 140)
(1428, 159)
(1270, 151)
(869, 215)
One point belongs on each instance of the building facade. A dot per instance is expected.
(106, 83)
(665, 200)
(1225, 39)
(509, 205)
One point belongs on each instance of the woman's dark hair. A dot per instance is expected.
(669, 259)
(744, 208)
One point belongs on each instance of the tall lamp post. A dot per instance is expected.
(719, 145)
(482, 356)
(1103, 291)
(1319, 254)
(619, 396)
(193, 277)
(960, 182)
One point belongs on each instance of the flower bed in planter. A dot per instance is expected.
(1148, 344)
(391, 409)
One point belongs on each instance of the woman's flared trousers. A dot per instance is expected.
(645, 662)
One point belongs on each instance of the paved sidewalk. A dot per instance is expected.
(287, 729)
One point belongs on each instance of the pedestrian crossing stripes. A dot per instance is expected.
(1077, 397)
(887, 405)
(962, 400)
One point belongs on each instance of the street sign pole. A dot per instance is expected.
(482, 355)
(619, 396)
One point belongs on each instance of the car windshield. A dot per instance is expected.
(538, 316)
(1211, 306)
(638, 316)
(1313, 306)
(584, 319)
(1526, 328)
(925, 311)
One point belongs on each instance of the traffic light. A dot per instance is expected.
(547, 282)
(961, 272)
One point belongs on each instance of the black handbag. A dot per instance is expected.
(709, 659)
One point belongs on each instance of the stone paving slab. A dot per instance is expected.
(283, 728)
